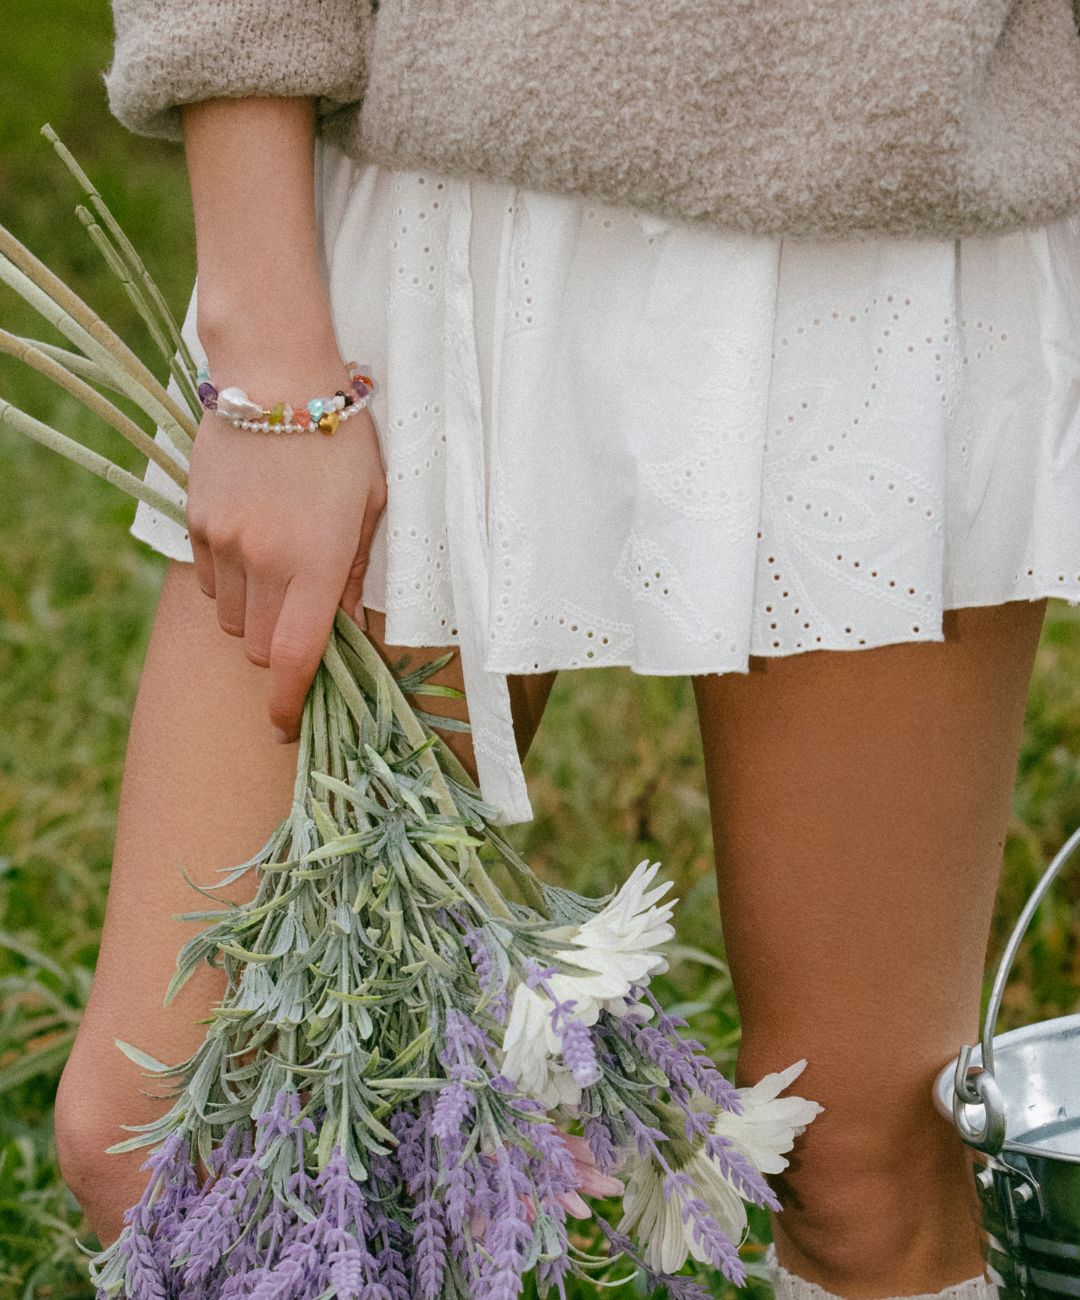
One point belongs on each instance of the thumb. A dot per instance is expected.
(352, 596)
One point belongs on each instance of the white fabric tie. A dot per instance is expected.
(502, 781)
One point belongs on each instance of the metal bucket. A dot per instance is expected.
(1016, 1101)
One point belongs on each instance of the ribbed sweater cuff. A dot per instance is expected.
(168, 53)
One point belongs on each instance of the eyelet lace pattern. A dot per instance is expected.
(615, 439)
(786, 1286)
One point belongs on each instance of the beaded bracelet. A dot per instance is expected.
(324, 413)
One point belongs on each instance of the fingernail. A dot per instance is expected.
(359, 616)
(281, 736)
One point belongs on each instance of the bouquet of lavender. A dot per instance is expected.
(413, 1080)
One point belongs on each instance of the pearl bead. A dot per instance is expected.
(234, 402)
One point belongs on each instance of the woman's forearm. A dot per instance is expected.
(280, 525)
(261, 283)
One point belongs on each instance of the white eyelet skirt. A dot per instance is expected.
(615, 439)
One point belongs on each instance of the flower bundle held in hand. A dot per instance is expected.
(412, 1080)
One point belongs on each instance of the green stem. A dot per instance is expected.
(321, 740)
(346, 684)
(91, 460)
(303, 761)
(32, 280)
(73, 361)
(375, 666)
(126, 249)
(116, 264)
(101, 406)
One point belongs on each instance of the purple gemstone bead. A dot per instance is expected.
(208, 396)
(360, 387)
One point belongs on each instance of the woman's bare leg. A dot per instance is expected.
(859, 804)
(204, 784)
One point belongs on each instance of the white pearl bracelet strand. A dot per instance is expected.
(336, 404)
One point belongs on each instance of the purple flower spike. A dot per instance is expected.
(579, 1053)
(740, 1172)
(510, 1235)
(452, 1111)
(598, 1136)
(346, 1272)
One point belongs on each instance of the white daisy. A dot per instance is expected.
(617, 944)
(615, 951)
(765, 1130)
(530, 1044)
(656, 1218)
(769, 1123)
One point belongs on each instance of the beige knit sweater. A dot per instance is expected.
(816, 117)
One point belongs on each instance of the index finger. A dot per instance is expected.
(300, 637)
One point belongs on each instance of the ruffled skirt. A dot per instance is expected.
(617, 439)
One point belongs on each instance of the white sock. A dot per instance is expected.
(789, 1287)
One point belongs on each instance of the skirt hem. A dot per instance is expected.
(1070, 595)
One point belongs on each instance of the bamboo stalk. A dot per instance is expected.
(149, 400)
(91, 460)
(123, 273)
(48, 295)
(115, 264)
(125, 247)
(73, 361)
(101, 406)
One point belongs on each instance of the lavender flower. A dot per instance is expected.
(366, 972)
(579, 1053)
(511, 1233)
(598, 1136)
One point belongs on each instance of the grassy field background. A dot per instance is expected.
(615, 773)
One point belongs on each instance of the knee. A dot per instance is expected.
(845, 1222)
(876, 1185)
(85, 1124)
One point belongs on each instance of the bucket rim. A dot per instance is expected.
(943, 1082)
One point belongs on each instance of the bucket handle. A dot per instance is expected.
(975, 1085)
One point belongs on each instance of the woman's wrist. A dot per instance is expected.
(272, 348)
(263, 316)
(325, 410)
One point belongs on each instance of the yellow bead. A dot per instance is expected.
(328, 421)
(276, 414)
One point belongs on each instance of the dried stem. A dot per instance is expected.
(30, 353)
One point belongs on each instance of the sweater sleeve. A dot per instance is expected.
(172, 52)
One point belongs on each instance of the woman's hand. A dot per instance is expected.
(281, 523)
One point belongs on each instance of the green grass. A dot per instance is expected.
(615, 774)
